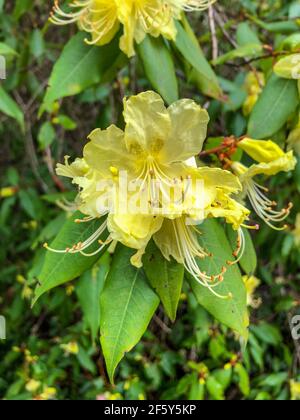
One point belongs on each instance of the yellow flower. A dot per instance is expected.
(296, 231)
(252, 283)
(254, 84)
(103, 18)
(271, 160)
(70, 348)
(32, 385)
(295, 390)
(148, 175)
(48, 394)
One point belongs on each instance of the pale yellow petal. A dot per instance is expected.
(189, 129)
(167, 241)
(261, 150)
(134, 231)
(107, 152)
(148, 124)
(285, 163)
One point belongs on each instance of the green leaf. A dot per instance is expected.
(89, 289)
(61, 268)
(232, 311)
(46, 135)
(267, 333)
(37, 43)
(9, 107)
(188, 46)
(215, 389)
(244, 381)
(127, 306)
(6, 49)
(245, 35)
(275, 106)
(166, 277)
(248, 262)
(79, 67)
(159, 67)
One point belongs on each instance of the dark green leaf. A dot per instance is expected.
(276, 104)
(127, 306)
(166, 277)
(159, 67)
(231, 311)
(79, 66)
(61, 268)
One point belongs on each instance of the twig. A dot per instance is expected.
(214, 39)
(162, 325)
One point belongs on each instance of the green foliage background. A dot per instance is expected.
(196, 357)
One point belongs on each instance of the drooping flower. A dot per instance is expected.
(271, 160)
(144, 180)
(103, 18)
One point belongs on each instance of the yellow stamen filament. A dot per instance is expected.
(81, 247)
(264, 207)
(190, 249)
(99, 20)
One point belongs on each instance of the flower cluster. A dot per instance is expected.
(146, 181)
(102, 19)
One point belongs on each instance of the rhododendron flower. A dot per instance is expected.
(165, 194)
(103, 18)
(271, 160)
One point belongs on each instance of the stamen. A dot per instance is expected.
(263, 206)
(190, 249)
(80, 247)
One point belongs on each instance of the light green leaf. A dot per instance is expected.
(79, 67)
(9, 107)
(166, 277)
(6, 49)
(232, 311)
(244, 381)
(88, 289)
(188, 46)
(127, 306)
(159, 67)
(46, 135)
(245, 35)
(61, 268)
(275, 106)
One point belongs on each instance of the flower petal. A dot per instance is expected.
(189, 130)
(134, 231)
(148, 124)
(167, 241)
(107, 153)
(261, 150)
(285, 163)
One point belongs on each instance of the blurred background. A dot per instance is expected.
(52, 351)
